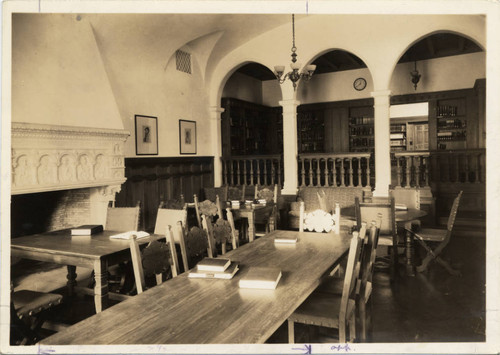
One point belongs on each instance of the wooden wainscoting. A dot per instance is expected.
(150, 180)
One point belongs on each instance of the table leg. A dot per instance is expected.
(410, 269)
(71, 276)
(251, 227)
(101, 285)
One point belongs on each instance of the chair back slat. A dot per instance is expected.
(453, 212)
(169, 217)
(410, 197)
(351, 275)
(122, 219)
(369, 254)
(319, 220)
(194, 244)
(208, 228)
(383, 213)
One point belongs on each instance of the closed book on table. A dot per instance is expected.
(87, 229)
(226, 274)
(213, 264)
(261, 277)
(285, 239)
(400, 207)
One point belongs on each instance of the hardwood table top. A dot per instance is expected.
(61, 242)
(198, 311)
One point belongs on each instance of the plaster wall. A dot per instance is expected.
(58, 76)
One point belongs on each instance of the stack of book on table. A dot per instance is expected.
(214, 268)
(261, 278)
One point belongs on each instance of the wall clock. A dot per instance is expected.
(359, 84)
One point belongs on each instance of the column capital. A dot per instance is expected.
(216, 109)
(290, 104)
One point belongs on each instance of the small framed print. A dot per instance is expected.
(146, 135)
(187, 137)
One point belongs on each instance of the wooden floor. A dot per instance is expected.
(431, 307)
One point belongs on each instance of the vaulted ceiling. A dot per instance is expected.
(434, 46)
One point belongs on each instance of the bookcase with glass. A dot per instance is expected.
(361, 129)
(451, 124)
(311, 131)
(398, 137)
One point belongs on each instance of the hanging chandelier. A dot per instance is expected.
(294, 75)
(415, 76)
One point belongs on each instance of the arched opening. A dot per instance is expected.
(252, 127)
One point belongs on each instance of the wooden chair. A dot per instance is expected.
(319, 220)
(28, 311)
(334, 284)
(123, 219)
(169, 217)
(173, 204)
(212, 192)
(194, 244)
(221, 232)
(441, 236)
(207, 208)
(236, 193)
(385, 214)
(266, 222)
(409, 197)
(329, 309)
(156, 258)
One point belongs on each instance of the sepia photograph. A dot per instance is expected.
(308, 177)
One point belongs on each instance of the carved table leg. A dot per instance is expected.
(410, 270)
(101, 285)
(71, 276)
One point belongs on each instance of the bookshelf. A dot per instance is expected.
(311, 132)
(398, 137)
(451, 124)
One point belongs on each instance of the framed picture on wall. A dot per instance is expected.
(187, 137)
(146, 135)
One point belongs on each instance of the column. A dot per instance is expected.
(382, 143)
(290, 165)
(215, 118)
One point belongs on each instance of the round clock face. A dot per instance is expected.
(359, 84)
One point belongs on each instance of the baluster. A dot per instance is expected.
(398, 171)
(259, 177)
(368, 172)
(478, 169)
(238, 171)
(311, 182)
(334, 171)
(303, 172)
(426, 171)
(418, 161)
(457, 168)
(252, 173)
(279, 172)
(273, 172)
(342, 173)
(224, 172)
(231, 168)
(408, 172)
(359, 171)
(351, 176)
(318, 172)
(265, 171)
(325, 174)
(466, 167)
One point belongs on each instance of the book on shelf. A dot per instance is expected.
(401, 207)
(226, 274)
(213, 264)
(285, 239)
(129, 234)
(261, 278)
(87, 229)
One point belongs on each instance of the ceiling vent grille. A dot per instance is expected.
(183, 61)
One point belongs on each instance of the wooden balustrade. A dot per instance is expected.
(458, 166)
(335, 169)
(412, 168)
(422, 168)
(252, 170)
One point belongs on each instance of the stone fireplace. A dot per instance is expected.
(63, 176)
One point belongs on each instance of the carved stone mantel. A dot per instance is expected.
(50, 157)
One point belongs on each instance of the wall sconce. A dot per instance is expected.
(415, 76)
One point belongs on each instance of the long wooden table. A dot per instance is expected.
(94, 252)
(199, 311)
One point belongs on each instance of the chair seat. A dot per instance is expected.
(312, 311)
(432, 234)
(27, 302)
